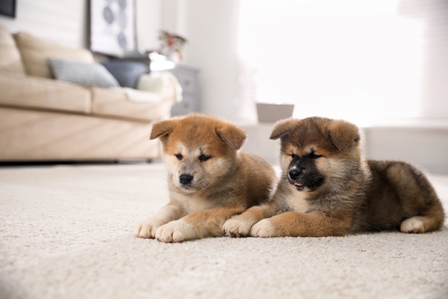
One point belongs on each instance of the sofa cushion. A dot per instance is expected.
(115, 102)
(82, 73)
(10, 60)
(31, 92)
(35, 53)
(126, 72)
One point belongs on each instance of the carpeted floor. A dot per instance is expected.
(66, 232)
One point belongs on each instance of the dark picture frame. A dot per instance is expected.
(8, 8)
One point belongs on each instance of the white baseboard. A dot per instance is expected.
(426, 148)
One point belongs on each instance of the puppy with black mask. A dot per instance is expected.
(328, 189)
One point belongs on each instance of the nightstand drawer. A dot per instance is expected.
(187, 80)
(187, 105)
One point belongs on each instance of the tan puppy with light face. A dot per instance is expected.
(209, 179)
(327, 189)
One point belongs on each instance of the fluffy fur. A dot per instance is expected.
(327, 189)
(209, 179)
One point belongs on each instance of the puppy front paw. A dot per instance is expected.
(147, 229)
(263, 229)
(235, 227)
(175, 231)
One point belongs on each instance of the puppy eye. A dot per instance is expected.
(179, 156)
(313, 155)
(294, 156)
(204, 158)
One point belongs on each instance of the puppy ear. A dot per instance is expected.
(282, 127)
(232, 135)
(343, 134)
(161, 128)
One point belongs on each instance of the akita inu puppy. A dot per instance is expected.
(209, 179)
(328, 189)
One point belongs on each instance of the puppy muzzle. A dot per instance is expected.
(304, 178)
(185, 179)
(294, 177)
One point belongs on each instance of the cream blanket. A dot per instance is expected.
(151, 88)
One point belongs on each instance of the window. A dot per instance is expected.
(360, 60)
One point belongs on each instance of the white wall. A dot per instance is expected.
(62, 21)
(66, 21)
(211, 29)
(148, 19)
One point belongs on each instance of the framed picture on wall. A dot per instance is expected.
(8, 8)
(112, 27)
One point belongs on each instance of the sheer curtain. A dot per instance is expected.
(361, 60)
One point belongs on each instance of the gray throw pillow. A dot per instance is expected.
(83, 73)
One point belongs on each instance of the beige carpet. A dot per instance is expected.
(66, 232)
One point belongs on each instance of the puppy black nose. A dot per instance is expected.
(185, 178)
(294, 173)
